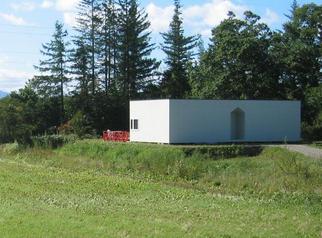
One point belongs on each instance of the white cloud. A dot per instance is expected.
(68, 8)
(47, 4)
(23, 6)
(14, 20)
(270, 17)
(200, 18)
(13, 79)
(70, 18)
(66, 5)
(159, 17)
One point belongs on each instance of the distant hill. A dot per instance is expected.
(3, 94)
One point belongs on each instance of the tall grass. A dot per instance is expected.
(274, 173)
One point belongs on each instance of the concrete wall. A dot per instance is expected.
(153, 119)
(208, 121)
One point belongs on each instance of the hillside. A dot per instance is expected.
(94, 189)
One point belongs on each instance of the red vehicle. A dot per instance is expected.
(117, 136)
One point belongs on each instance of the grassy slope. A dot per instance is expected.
(75, 192)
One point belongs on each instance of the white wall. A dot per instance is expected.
(153, 116)
(208, 121)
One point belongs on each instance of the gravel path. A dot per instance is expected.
(305, 149)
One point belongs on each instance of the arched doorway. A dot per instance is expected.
(237, 120)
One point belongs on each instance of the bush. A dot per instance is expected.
(80, 125)
(224, 151)
(312, 132)
(52, 141)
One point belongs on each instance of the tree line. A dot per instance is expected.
(85, 81)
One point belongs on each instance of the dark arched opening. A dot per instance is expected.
(237, 119)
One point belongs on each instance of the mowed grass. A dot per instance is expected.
(90, 189)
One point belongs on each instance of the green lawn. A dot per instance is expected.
(56, 194)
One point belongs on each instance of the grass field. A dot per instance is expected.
(93, 189)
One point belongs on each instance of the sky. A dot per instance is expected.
(26, 24)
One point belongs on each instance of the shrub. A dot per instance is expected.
(224, 151)
(312, 132)
(80, 125)
(52, 141)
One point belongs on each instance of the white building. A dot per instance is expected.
(214, 121)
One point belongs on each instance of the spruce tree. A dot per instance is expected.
(88, 27)
(294, 6)
(108, 43)
(54, 67)
(179, 51)
(135, 64)
(80, 67)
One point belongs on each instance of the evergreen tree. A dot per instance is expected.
(88, 29)
(108, 43)
(178, 49)
(135, 64)
(294, 6)
(54, 67)
(80, 68)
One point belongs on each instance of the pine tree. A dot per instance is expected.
(54, 66)
(179, 51)
(88, 27)
(135, 64)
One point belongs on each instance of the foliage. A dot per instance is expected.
(224, 151)
(111, 62)
(56, 53)
(312, 105)
(179, 52)
(88, 24)
(237, 64)
(24, 114)
(80, 125)
(52, 141)
(297, 50)
(136, 66)
(108, 40)
(312, 132)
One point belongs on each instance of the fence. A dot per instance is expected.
(117, 136)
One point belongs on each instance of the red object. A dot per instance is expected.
(117, 136)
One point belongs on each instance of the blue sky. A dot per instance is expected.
(26, 24)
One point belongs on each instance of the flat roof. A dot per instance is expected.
(218, 100)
